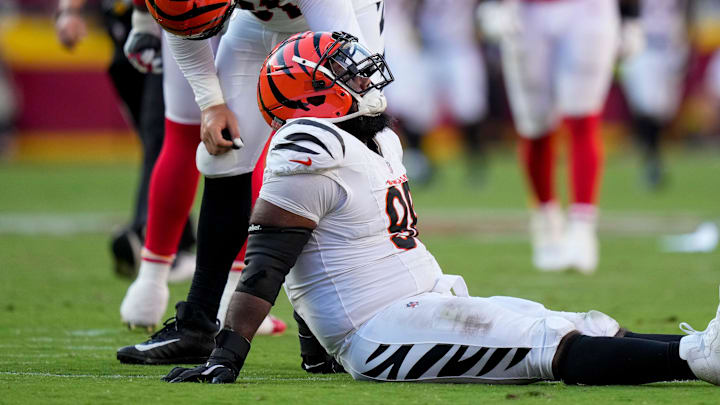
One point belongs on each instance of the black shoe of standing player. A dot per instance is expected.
(125, 246)
(188, 338)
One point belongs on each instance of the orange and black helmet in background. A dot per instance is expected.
(191, 19)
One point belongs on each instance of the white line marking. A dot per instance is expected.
(58, 224)
(53, 355)
(489, 222)
(118, 376)
(94, 332)
(112, 376)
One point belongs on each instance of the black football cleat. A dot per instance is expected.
(187, 338)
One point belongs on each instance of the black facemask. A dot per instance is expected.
(365, 127)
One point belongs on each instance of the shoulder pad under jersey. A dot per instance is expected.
(306, 145)
(390, 142)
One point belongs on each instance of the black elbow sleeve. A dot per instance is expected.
(271, 253)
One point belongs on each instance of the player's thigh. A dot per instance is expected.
(527, 69)
(442, 337)
(240, 55)
(591, 323)
(371, 21)
(586, 58)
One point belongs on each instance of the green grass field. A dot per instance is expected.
(60, 326)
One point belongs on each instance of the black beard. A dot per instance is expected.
(365, 127)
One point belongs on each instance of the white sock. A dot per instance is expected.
(583, 213)
(230, 286)
(154, 267)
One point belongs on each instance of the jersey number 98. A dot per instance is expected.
(402, 224)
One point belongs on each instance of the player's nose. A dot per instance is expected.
(361, 83)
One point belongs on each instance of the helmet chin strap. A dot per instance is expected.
(372, 103)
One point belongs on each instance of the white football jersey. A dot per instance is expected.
(442, 21)
(664, 22)
(364, 253)
(286, 15)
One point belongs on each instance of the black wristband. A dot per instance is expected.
(231, 349)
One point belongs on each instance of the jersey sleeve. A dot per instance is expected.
(311, 196)
(197, 62)
(331, 15)
(305, 146)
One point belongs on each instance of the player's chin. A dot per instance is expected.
(365, 127)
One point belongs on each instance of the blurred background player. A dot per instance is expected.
(653, 78)
(433, 45)
(225, 86)
(8, 110)
(8, 105)
(142, 96)
(712, 89)
(558, 58)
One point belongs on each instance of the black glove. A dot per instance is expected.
(143, 46)
(321, 365)
(214, 374)
(314, 357)
(222, 367)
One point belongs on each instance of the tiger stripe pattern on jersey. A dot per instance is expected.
(455, 366)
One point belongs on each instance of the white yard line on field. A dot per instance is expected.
(450, 221)
(58, 224)
(117, 376)
(112, 376)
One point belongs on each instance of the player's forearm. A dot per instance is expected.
(331, 15)
(140, 5)
(246, 313)
(69, 6)
(66, 5)
(197, 62)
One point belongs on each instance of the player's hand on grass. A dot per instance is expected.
(208, 373)
(143, 44)
(214, 120)
(321, 365)
(223, 365)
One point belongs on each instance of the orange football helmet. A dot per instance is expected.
(191, 19)
(322, 75)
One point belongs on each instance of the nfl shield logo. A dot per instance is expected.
(412, 304)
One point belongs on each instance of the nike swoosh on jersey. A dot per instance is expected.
(146, 347)
(307, 162)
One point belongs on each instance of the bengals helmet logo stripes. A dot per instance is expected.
(290, 89)
(321, 75)
(191, 19)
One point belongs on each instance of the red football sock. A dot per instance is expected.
(537, 157)
(172, 188)
(257, 178)
(586, 157)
